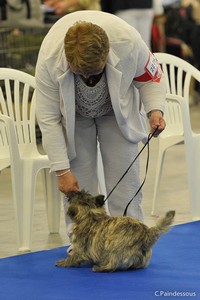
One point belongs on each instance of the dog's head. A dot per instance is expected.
(84, 198)
(82, 204)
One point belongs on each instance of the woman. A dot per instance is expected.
(90, 68)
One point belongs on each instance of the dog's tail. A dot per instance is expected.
(161, 227)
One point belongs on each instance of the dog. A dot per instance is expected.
(109, 243)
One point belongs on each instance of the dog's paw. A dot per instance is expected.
(96, 269)
(62, 263)
(68, 262)
(101, 269)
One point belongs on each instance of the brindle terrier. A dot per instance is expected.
(109, 243)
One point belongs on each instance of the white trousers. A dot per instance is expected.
(141, 20)
(117, 154)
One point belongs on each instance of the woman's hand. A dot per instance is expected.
(156, 120)
(68, 182)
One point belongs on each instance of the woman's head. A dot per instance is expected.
(86, 48)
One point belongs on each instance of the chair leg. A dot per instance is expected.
(24, 197)
(159, 168)
(53, 201)
(24, 186)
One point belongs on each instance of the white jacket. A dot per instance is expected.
(55, 93)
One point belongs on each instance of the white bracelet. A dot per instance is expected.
(62, 174)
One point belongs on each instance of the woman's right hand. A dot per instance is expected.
(68, 183)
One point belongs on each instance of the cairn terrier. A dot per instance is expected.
(109, 243)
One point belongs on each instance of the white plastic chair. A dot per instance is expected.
(192, 151)
(18, 144)
(178, 76)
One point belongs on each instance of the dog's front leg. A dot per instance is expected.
(72, 260)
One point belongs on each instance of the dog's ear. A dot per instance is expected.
(72, 212)
(100, 200)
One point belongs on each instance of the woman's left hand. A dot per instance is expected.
(156, 120)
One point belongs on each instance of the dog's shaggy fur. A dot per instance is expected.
(109, 243)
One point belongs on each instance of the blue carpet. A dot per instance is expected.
(174, 272)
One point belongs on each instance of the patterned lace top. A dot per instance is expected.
(92, 101)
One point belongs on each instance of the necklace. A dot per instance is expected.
(92, 80)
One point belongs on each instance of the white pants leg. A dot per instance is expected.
(117, 154)
(84, 166)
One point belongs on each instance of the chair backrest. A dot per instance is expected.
(173, 118)
(182, 105)
(178, 74)
(178, 77)
(18, 102)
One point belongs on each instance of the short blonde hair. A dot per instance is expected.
(86, 46)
